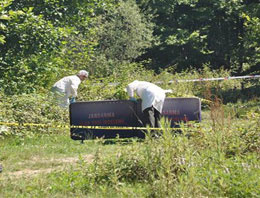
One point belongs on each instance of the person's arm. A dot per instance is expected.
(130, 90)
(74, 87)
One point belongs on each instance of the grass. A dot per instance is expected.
(217, 158)
(45, 150)
(30, 165)
(220, 157)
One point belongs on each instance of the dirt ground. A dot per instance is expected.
(55, 165)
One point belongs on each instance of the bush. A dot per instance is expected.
(113, 86)
(31, 108)
(201, 162)
(124, 33)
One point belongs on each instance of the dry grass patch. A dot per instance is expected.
(53, 164)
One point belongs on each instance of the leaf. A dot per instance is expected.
(5, 17)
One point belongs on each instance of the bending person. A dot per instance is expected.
(152, 100)
(67, 87)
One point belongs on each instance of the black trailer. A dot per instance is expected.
(125, 113)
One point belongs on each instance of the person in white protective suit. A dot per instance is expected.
(67, 87)
(152, 100)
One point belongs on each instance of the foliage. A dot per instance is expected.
(40, 108)
(3, 16)
(226, 90)
(124, 33)
(44, 40)
(41, 40)
(202, 161)
(196, 32)
(113, 86)
(30, 108)
(24, 66)
(218, 157)
(252, 27)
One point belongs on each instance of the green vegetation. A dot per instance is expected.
(206, 161)
(218, 157)
(44, 40)
(119, 41)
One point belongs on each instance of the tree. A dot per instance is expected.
(3, 17)
(194, 32)
(28, 37)
(44, 39)
(124, 34)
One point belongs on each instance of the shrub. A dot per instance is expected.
(31, 108)
(202, 161)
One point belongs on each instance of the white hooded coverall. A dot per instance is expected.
(151, 94)
(66, 88)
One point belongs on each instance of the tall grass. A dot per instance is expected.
(203, 161)
(219, 157)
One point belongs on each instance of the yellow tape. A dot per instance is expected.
(81, 127)
(32, 124)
